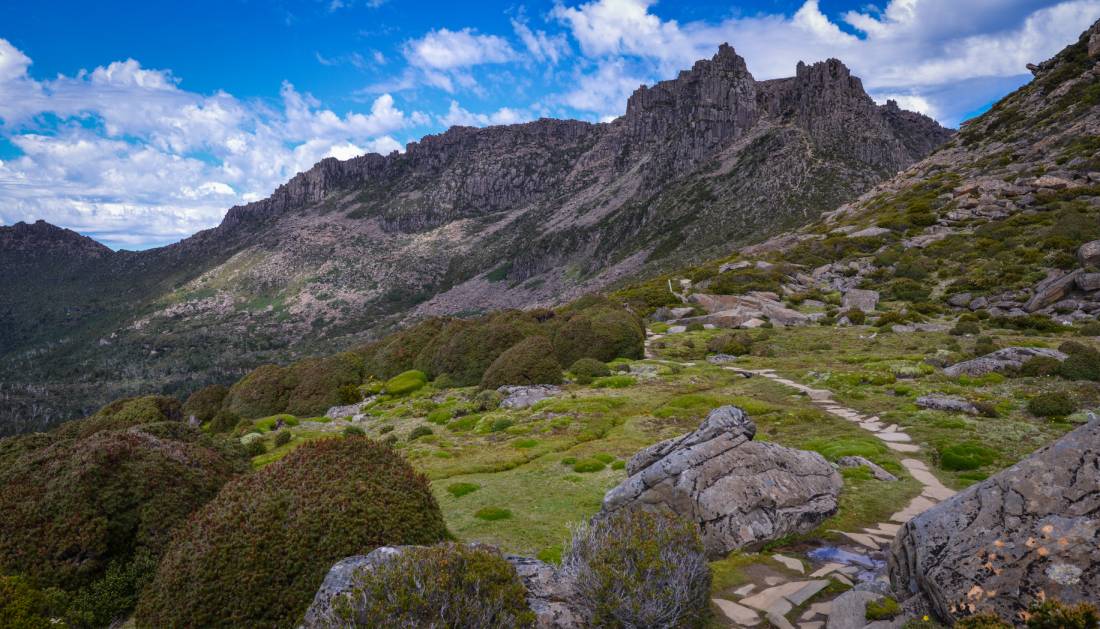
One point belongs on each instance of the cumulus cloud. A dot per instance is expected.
(457, 116)
(541, 46)
(447, 50)
(122, 153)
(913, 49)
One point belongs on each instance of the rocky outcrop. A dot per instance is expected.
(741, 492)
(876, 470)
(1001, 361)
(1026, 534)
(865, 300)
(516, 396)
(340, 580)
(733, 311)
(947, 404)
(1055, 287)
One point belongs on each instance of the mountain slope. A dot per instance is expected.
(465, 221)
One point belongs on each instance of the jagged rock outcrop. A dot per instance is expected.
(1029, 533)
(521, 215)
(1001, 361)
(741, 492)
(948, 404)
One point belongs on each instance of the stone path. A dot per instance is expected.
(774, 602)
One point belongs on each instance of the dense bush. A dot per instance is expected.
(282, 438)
(318, 382)
(736, 344)
(1083, 362)
(465, 349)
(601, 330)
(585, 369)
(89, 506)
(588, 465)
(492, 514)
(224, 420)
(1092, 328)
(982, 620)
(855, 316)
(418, 432)
(531, 361)
(205, 403)
(966, 328)
(406, 382)
(640, 569)
(436, 587)
(256, 554)
(1051, 405)
(22, 606)
(398, 352)
(1052, 614)
(264, 391)
(353, 431)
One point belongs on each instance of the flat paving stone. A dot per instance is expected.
(737, 613)
(774, 581)
(938, 494)
(915, 507)
(817, 624)
(745, 590)
(817, 609)
(807, 592)
(902, 447)
(862, 540)
(826, 569)
(779, 621)
(764, 600)
(893, 436)
(791, 563)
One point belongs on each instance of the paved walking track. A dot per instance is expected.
(779, 596)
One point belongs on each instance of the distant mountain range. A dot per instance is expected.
(460, 223)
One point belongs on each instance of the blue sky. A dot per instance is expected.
(141, 123)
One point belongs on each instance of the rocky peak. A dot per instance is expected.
(41, 237)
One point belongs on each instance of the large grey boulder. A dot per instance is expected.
(947, 404)
(516, 396)
(1002, 360)
(865, 300)
(742, 493)
(1028, 533)
(340, 580)
(1054, 288)
(1088, 254)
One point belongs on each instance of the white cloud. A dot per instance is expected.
(917, 48)
(541, 46)
(457, 116)
(131, 158)
(605, 90)
(449, 50)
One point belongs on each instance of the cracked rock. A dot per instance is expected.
(741, 492)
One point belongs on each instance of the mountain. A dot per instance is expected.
(461, 222)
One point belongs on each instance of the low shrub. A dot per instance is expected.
(695, 326)
(618, 465)
(1092, 328)
(499, 424)
(492, 514)
(264, 391)
(205, 403)
(585, 466)
(418, 432)
(982, 620)
(1040, 366)
(1053, 614)
(350, 431)
(440, 416)
(531, 361)
(569, 460)
(590, 368)
(889, 318)
(966, 328)
(22, 606)
(464, 350)
(459, 490)
(1051, 405)
(638, 568)
(601, 330)
(833, 449)
(1081, 365)
(224, 420)
(855, 316)
(603, 457)
(737, 344)
(966, 456)
(406, 382)
(287, 523)
(984, 345)
(446, 585)
(282, 438)
(255, 447)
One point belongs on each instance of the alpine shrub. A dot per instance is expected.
(1053, 614)
(446, 586)
(406, 382)
(638, 568)
(531, 361)
(287, 524)
(735, 344)
(264, 391)
(205, 403)
(966, 456)
(282, 438)
(589, 367)
(1051, 405)
(418, 432)
(1040, 366)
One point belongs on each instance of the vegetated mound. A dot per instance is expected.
(255, 555)
(307, 387)
(89, 507)
(531, 361)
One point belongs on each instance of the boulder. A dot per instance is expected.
(1026, 534)
(525, 396)
(869, 232)
(865, 300)
(858, 461)
(731, 311)
(742, 493)
(1088, 254)
(948, 404)
(960, 300)
(1054, 288)
(1088, 282)
(734, 266)
(550, 593)
(1002, 360)
(339, 580)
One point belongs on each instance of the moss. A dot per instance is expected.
(614, 382)
(418, 432)
(531, 361)
(352, 431)
(288, 523)
(589, 367)
(837, 448)
(406, 382)
(618, 465)
(459, 490)
(447, 585)
(883, 609)
(492, 514)
(586, 466)
(966, 456)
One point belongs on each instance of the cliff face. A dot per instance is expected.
(469, 220)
